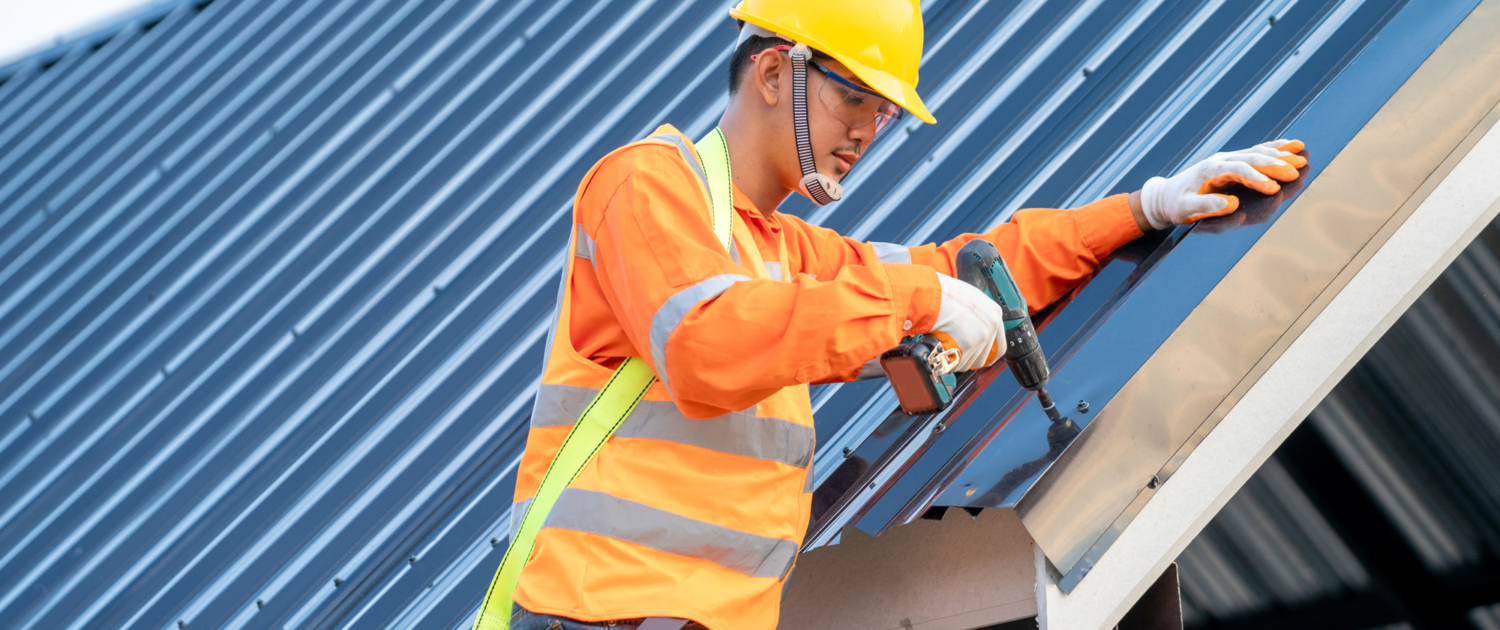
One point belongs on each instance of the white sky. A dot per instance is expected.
(27, 26)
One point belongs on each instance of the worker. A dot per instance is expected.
(694, 316)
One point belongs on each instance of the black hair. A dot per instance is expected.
(752, 45)
(741, 57)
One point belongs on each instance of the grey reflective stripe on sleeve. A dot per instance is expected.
(676, 307)
(807, 486)
(517, 513)
(871, 369)
(740, 433)
(621, 519)
(773, 269)
(583, 246)
(892, 253)
(687, 155)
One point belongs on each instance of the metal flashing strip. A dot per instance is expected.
(1365, 314)
(1142, 436)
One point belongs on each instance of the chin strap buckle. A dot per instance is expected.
(816, 185)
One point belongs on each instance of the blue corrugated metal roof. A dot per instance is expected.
(274, 275)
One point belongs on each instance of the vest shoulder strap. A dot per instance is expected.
(709, 159)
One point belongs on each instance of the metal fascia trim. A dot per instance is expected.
(1077, 509)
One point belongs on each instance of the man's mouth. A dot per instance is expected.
(846, 160)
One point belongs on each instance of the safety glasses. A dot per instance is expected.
(853, 105)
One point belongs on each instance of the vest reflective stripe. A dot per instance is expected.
(891, 253)
(626, 387)
(773, 269)
(671, 312)
(740, 433)
(601, 514)
(583, 246)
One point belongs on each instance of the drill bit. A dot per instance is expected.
(1046, 399)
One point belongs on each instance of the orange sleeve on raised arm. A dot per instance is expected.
(1048, 251)
(720, 340)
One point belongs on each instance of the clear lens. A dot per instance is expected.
(853, 107)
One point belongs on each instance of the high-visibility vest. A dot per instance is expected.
(672, 516)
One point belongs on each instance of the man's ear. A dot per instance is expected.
(767, 75)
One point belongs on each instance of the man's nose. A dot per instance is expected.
(863, 136)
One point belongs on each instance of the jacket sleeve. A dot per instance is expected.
(1048, 251)
(718, 339)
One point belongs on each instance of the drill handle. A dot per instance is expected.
(979, 263)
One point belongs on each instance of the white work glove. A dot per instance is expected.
(969, 321)
(1192, 194)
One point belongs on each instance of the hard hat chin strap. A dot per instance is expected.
(821, 189)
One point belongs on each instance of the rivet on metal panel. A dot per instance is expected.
(164, 371)
(412, 561)
(1154, 483)
(937, 428)
(1273, 20)
(32, 415)
(337, 582)
(181, 623)
(260, 603)
(1087, 71)
(494, 542)
(1083, 406)
(848, 451)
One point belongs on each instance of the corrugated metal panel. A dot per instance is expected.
(274, 274)
(1269, 545)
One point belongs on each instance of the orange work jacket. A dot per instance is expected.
(696, 507)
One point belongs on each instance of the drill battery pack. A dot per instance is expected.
(919, 386)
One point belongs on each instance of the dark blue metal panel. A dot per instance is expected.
(989, 456)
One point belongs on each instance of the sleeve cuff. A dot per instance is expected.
(1106, 225)
(916, 295)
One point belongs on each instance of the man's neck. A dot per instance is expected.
(751, 159)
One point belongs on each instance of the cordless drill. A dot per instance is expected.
(918, 368)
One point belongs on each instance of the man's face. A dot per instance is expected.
(844, 115)
(840, 134)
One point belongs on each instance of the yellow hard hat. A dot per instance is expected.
(879, 40)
